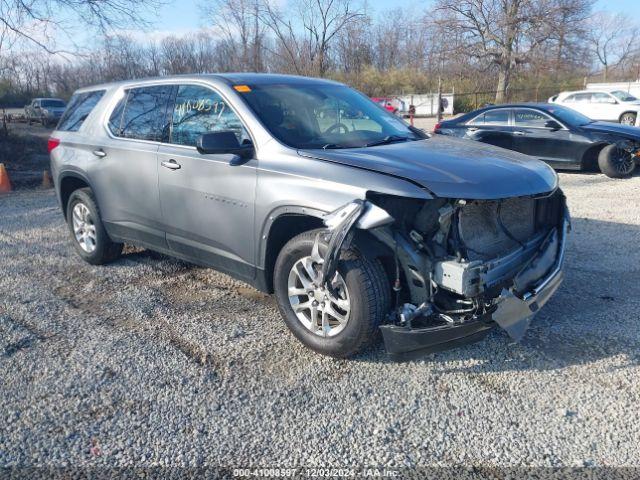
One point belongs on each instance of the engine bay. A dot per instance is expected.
(455, 261)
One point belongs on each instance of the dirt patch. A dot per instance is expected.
(24, 154)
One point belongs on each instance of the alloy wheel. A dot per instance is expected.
(83, 228)
(623, 161)
(628, 119)
(324, 311)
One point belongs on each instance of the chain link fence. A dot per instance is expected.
(468, 101)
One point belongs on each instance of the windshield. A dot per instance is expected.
(623, 96)
(569, 116)
(324, 116)
(52, 103)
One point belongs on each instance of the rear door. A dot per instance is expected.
(492, 127)
(581, 102)
(605, 106)
(126, 176)
(532, 137)
(207, 200)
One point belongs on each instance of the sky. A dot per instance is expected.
(179, 16)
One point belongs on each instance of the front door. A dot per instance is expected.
(492, 127)
(207, 201)
(604, 107)
(532, 137)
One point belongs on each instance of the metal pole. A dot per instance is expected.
(439, 116)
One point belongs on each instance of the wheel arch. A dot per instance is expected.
(282, 225)
(68, 183)
(589, 160)
(633, 112)
(287, 222)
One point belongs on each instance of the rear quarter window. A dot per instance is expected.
(79, 108)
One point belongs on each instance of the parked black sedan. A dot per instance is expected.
(558, 135)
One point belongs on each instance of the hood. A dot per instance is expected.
(615, 128)
(451, 167)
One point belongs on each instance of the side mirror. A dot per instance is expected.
(419, 132)
(223, 142)
(553, 125)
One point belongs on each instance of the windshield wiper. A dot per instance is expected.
(332, 145)
(388, 139)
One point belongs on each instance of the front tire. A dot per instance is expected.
(338, 325)
(616, 162)
(88, 234)
(628, 119)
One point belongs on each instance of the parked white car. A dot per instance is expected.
(615, 106)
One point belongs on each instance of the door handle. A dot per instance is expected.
(99, 153)
(171, 164)
(519, 132)
(473, 129)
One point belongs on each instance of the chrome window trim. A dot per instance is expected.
(469, 123)
(564, 127)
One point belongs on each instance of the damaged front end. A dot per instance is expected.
(458, 267)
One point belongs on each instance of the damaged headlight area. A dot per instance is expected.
(458, 267)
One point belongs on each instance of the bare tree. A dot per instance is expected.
(239, 23)
(569, 29)
(353, 50)
(612, 40)
(34, 20)
(502, 32)
(305, 33)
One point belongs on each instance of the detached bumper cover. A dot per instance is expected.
(514, 312)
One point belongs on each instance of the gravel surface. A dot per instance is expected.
(151, 361)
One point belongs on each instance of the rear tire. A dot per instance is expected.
(615, 162)
(628, 119)
(88, 234)
(366, 287)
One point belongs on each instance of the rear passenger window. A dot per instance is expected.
(579, 97)
(79, 108)
(199, 110)
(142, 115)
(492, 117)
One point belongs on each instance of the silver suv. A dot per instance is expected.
(305, 188)
(44, 110)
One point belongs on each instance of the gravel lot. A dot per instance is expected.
(151, 361)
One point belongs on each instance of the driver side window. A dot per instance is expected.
(197, 110)
(530, 118)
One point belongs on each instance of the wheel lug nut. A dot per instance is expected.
(315, 303)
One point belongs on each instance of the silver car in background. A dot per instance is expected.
(45, 110)
(305, 188)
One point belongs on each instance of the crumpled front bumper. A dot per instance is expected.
(514, 312)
